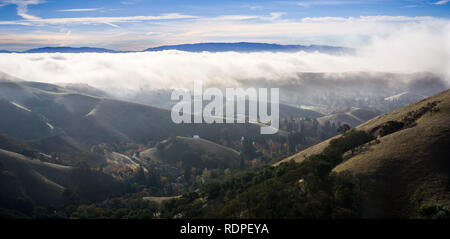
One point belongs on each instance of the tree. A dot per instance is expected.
(434, 211)
(390, 127)
(187, 173)
(249, 150)
(140, 176)
(344, 128)
(294, 139)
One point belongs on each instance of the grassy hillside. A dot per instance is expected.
(15, 145)
(353, 117)
(394, 166)
(116, 161)
(25, 181)
(290, 111)
(183, 151)
(20, 122)
(406, 167)
(56, 144)
(32, 178)
(38, 110)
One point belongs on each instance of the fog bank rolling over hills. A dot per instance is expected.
(409, 50)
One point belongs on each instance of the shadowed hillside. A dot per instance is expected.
(192, 152)
(39, 110)
(28, 181)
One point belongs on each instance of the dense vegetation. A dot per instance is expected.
(291, 190)
(128, 168)
(82, 186)
(307, 190)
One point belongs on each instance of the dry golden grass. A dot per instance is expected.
(160, 200)
(404, 169)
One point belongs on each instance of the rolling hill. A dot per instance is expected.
(50, 130)
(21, 122)
(405, 96)
(352, 117)
(25, 180)
(46, 110)
(162, 99)
(193, 152)
(406, 166)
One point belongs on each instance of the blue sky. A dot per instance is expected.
(138, 24)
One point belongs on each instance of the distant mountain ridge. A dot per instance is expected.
(69, 50)
(66, 50)
(200, 47)
(249, 47)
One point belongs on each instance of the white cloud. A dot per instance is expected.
(407, 50)
(181, 28)
(79, 10)
(442, 2)
(323, 3)
(127, 2)
(273, 16)
(22, 10)
(236, 17)
(368, 19)
(350, 32)
(96, 20)
(22, 7)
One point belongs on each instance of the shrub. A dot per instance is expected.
(391, 127)
(434, 211)
(349, 141)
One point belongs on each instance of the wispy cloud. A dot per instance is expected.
(273, 16)
(79, 10)
(367, 19)
(28, 19)
(22, 7)
(442, 2)
(96, 20)
(132, 32)
(128, 2)
(324, 3)
(350, 32)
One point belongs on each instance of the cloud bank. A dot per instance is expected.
(409, 50)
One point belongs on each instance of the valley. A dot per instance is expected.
(75, 151)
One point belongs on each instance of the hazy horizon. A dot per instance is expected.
(137, 25)
(394, 37)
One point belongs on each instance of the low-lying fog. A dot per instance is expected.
(125, 74)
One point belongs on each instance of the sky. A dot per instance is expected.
(140, 24)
